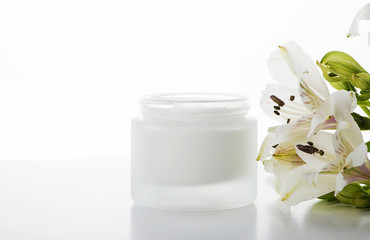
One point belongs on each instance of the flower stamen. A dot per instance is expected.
(310, 149)
(277, 100)
(307, 149)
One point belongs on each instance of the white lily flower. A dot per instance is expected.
(350, 152)
(363, 14)
(338, 107)
(297, 180)
(307, 162)
(301, 90)
(282, 101)
(306, 168)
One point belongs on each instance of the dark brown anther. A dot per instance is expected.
(321, 152)
(277, 107)
(277, 100)
(292, 98)
(307, 149)
(288, 120)
(310, 143)
(276, 112)
(275, 145)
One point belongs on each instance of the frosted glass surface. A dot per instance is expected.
(194, 167)
(89, 199)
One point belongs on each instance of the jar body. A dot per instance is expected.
(197, 165)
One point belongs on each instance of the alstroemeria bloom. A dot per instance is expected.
(306, 168)
(349, 151)
(293, 176)
(301, 90)
(363, 14)
(302, 157)
(282, 101)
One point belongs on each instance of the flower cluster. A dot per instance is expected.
(318, 150)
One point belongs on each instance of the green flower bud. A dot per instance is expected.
(361, 202)
(338, 67)
(355, 195)
(360, 80)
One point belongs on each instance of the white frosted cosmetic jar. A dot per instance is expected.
(192, 151)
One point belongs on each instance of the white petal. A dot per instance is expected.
(292, 179)
(309, 97)
(269, 166)
(311, 160)
(266, 146)
(287, 65)
(306, 191)
(291, 109)
(321, 121)
(363, 14)
(342, 104)
(297, 129)
(280, 70)
(358, 156)
(340, 183)
(348, 137)
(349, 147)
(333, 167)
(300, 63)
(279, 168)
(295, 188)
(322, 141)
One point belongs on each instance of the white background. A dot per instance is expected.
(71, 71)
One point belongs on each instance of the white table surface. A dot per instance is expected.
(89, 199)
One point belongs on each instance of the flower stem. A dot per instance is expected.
(366, 110)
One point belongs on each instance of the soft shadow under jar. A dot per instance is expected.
(193, 152)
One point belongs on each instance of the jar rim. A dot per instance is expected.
(191, 97)
(194, 105)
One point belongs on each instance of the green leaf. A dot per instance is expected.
(364, 91)
(362, 122)
(363, 97)
(329, 197)
(363, 103)
(368, 146)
